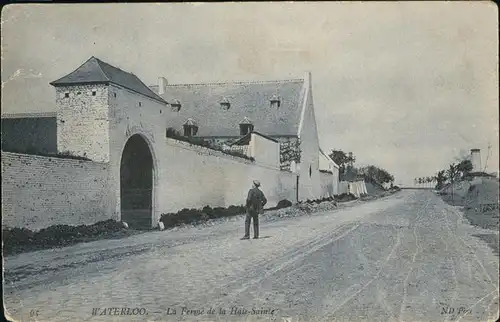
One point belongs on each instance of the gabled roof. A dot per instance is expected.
(246, 120)
(95, 71)
(327, 157)
(190, 121)
(248, 99)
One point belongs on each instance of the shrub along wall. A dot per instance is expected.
(191, 216)
(17, 240)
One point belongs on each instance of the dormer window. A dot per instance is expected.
(246, 126)
(190, 127)
(225, 104)
(176, 105)
(66, 95)
(275, 101)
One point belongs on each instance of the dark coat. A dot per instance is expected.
(255, 200)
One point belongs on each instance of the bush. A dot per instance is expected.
(191, 216)
(16, 239)
(345, 197)
(283, 204)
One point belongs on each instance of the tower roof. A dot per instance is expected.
(95, 71)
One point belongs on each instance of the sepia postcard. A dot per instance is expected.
(265, 161)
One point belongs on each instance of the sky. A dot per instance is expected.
(406, 86)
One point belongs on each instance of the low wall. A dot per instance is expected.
(193, 177)
(459, 188)
(327, 181)
(38, 192)
(356, 188)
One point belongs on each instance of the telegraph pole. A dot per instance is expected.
(487, 157)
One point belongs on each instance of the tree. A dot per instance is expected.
(452, 176)
(343, 160)
(376, 175)
(440, 179)
(464, 167)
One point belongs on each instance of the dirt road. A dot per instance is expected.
(407, 257)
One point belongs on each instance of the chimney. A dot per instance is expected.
(162, 85)
(476, 159)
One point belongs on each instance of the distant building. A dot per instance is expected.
(29, 132)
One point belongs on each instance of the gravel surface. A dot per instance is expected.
(405, 257)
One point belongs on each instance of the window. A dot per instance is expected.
(176, 105)
(310, 171)
(114, 94)
(245, 129)
(225, 104)
(140, 103)
(78, 93)
(275, 101)
(246, 126)
(66, 95)
(190, 128)
(94, 93)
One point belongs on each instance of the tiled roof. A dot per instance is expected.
(190, 121)
(245, 140)
(251, 100)
(95, 71)
(246, 120)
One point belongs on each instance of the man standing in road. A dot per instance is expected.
(254, 205)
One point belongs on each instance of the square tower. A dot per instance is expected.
(82, 103)
(82, 121)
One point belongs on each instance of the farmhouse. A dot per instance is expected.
(158, 149)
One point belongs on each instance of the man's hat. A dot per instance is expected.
(256, 183)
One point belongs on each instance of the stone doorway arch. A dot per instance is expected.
(137, 183)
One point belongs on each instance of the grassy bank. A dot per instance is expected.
(479, 203)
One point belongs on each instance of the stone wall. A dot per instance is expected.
(83, 121)
(193, 177)
(326, 184)
(38, 192)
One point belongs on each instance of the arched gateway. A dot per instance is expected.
(136, 183)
